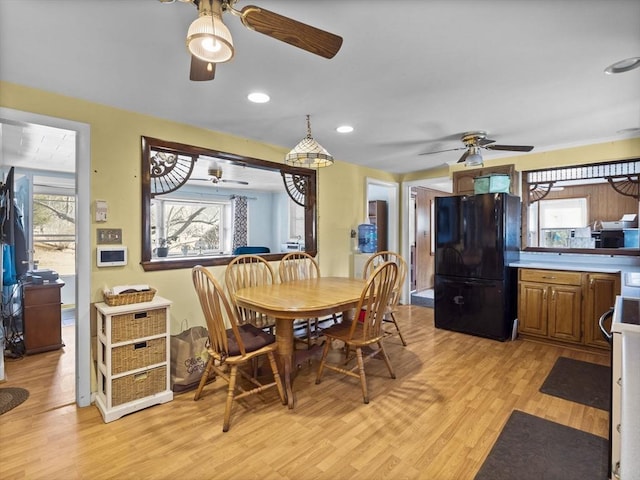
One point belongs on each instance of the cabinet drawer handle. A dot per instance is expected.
(549, 277)
(138, 377)
(138, 345)
(140, 315)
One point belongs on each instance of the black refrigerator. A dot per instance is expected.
(477, 236)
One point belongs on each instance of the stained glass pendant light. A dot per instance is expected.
(308, 153)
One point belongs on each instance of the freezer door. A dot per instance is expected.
(474, 306)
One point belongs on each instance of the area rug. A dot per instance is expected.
(11, 397)
(581, 382)
(532, 448)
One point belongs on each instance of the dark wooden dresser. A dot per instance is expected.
(41, 317)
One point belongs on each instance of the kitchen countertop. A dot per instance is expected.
(566, 266)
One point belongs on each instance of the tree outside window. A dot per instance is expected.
(54, 232)
(183, 228)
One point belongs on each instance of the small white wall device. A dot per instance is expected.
(111, 256)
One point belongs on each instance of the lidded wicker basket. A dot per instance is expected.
(114, 300)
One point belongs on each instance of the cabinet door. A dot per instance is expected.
(565, 313)
(601, 292)
(532, 308)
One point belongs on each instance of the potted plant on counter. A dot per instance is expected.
(163, 247)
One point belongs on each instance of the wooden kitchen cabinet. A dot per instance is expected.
(565, 306)
(550, 304)
(532, 308)
(601, 291)
(565, 313)
(42, 317)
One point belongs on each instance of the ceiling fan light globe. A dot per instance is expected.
(473, 160)
(210, 40)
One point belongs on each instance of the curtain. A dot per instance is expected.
(239, 222)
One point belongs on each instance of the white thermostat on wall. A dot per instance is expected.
(111, 256)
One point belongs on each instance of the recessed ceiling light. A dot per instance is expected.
(344, 129)
(623, 65)
(258, 97)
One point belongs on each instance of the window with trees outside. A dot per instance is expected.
(54, 243)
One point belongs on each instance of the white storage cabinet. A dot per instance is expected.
(133, 357)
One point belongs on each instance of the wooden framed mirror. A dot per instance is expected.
(199, 206)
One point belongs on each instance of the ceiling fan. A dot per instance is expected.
(214, 173)
(209, 40)
(473, 142)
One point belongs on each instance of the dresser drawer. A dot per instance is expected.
(138, 354)
(42, 295)
(138, 385)
(131, 326)
(550, 276)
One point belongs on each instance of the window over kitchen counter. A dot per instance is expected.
(582, 209)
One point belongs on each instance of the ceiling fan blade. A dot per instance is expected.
(464, 156)
(484, 141)
(291, 31)
(442, 151)
(513, 148)
(201, 70)
(237, 182)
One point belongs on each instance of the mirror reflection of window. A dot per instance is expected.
(296, 223)
(185, 228)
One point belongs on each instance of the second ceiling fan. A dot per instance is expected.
(474, 141)
(209, 40)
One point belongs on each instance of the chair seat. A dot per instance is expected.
(253, 338)
(340, 331)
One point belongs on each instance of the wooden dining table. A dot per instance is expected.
(299, 299)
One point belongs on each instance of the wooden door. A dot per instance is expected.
(600, 296)
(532, 308)
(424, 255)
(565, 313)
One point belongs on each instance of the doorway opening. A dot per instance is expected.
(418, 214)
(59, 184)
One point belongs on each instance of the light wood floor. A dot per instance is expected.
(437, 420)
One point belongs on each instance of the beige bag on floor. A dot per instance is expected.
(188, 358)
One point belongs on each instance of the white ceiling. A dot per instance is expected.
(411, 77)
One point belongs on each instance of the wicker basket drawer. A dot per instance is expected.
(130, 326)
(138, 355)
(138, 385)
(551, 276)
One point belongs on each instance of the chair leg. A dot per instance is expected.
(385, 357)
(393, 319)
(363, 379)
(325, 352)
(276, 377)
(230, 393)
(203, 379)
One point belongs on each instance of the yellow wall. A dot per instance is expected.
(115, 177)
